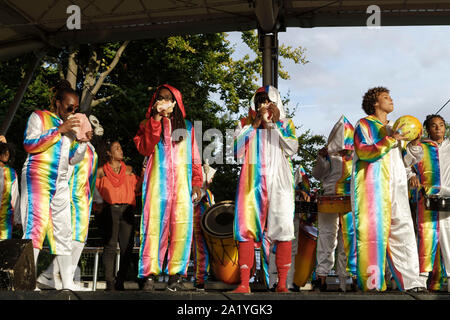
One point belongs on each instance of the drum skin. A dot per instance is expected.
(305, 260)
(217, 227)
(334, 204)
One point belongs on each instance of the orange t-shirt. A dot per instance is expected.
(125, 193)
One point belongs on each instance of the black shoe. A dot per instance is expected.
(149, 284)
(295, 288)
(354, 286)
(110, 286)
(176, 283)
(199, 286)
(323, 286)
(119, 285)
(274, 287)
(317, 284)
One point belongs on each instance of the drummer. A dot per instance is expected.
(333, 168)
(433, 179)
(264, 210)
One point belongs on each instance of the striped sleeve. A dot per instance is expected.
(36, 140)
(288, 139)
(367, 149)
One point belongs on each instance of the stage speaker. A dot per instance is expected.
(17, 270)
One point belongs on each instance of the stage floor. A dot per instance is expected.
(214, 291)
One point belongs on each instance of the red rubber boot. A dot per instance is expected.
(246, 253)
(283, 262)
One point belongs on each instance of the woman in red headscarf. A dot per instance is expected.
(172, 178)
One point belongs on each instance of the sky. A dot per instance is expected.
(412, 62)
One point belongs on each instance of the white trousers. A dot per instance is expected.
(273, 273)
(402, 241)
(328, 240)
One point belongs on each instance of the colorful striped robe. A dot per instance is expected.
(81, 185)
(378, 174)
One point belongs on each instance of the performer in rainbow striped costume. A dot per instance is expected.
(49, 140)
(333, 168)
(200, 248)
(384, 226)
(172, 173)
(433, 227)
(9, 193)
(264, 210)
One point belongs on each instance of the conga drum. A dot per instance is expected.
(305, 260)
(217, 227)
(334, 204)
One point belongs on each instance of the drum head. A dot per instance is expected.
(218, 220)
(309, 230)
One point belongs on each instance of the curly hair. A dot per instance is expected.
(370, 98)
(430, 117)
(8, 147)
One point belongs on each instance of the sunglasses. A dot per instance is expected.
(71, 109)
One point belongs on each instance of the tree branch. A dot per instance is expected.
(101, 100)
(113, 64)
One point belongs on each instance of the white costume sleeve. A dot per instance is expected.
(79, 153)
(413, 155)
(321, 168)
(410, 173)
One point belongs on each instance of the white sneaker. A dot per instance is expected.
(76, 287)
(49, 281)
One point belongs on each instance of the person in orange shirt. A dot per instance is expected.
(117, 185)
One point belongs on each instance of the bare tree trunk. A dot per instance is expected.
(89, 80)
(93, 85)
(72, 68)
